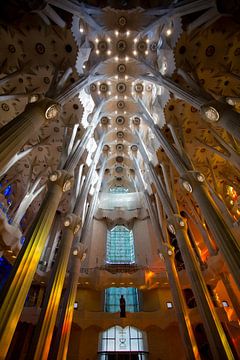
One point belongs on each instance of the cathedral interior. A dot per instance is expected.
(119, 178)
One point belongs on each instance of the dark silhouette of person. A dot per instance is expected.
(122, 306)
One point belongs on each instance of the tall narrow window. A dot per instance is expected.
(120, 246)
(112, 296)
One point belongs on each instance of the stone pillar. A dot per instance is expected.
(222, 115)
(233, 297)
(185, 326)
(217, 339)
(218, 342)
(167, 251)
(15, 291)
(17, 132)
(80, 201)
(65, 323)
(212, 111)
(61, 345)
(40, 297)
(45, 326)
(193, 182)
(80, 145)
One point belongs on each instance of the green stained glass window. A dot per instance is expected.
(112, 299)
(120, 246)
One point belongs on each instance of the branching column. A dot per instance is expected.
(64, 326)
(212, 111)
(15, 291)
(217, 339)
(17, 132)
(190, 346)
(65, 323)
(233, 297)
(44, 331)
(194, 182)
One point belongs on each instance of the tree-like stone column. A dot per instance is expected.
(45, 326)
(16, 289)
(194, 182)
(18, 131)
(215, 333)
(167, 251)
(43, 334)
(65, 323)
(212, 111)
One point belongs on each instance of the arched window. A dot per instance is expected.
(118, 190)
(113, 294)
(123, 343)
(120, 246)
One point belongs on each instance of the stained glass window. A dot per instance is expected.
(7, 191)
(113, 294)
(118, 190)
(5, 269)
(120, 246)
(127, 340)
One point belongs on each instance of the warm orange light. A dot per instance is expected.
(149, 275)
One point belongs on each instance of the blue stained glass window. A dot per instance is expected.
(7, 191)
(120, 246)
(5, 269)
(113, 294)
(23, 238)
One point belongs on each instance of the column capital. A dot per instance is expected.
(213, 110)
(167, 250)
(191, 178)
(176, 222)
(63, 179)
(72, 222)
(50, 108)
(80, 251)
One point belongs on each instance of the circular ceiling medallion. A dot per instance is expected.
(122, 21)
(93, 87)
(119, 159)
(104, 120)
(153, 46)
(11, 48)
(149, 87)
(121, 45)
(121, 68)
(139, 88)
(120, 120)
(142, 46)
(121, 104)
(119, 169)
(103, 87)
(134, 148)
(120, 147)
(120, 134)
(5, 107)
(40, 48)
(102, 46)
(121, 87)
(136, 120)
